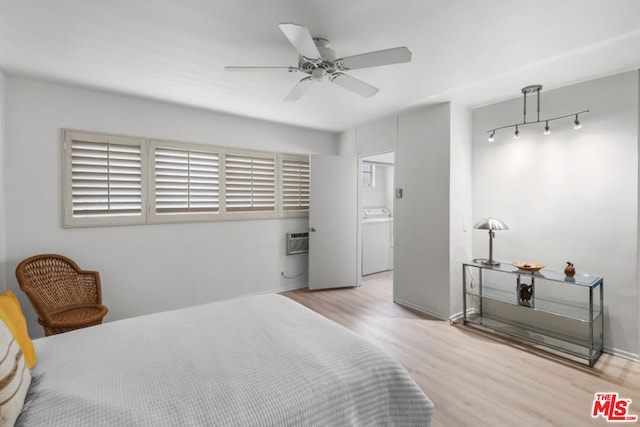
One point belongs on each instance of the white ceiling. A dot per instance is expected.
(466, 51)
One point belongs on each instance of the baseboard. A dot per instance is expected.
(289, 288)
(459, 316)
(281, 289)
(621, 353)
(456, 318)
(420, 309)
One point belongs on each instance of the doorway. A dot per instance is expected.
(376, 211)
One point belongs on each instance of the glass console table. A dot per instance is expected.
(545, 309)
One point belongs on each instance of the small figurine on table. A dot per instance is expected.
(526, 292)
(569, 270)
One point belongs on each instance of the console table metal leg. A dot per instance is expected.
(591, 358)
(464, 294)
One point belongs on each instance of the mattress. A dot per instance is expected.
(253, 361)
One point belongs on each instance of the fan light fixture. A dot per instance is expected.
(547, 130)
(317, 61)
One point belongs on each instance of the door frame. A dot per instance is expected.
(362, 158)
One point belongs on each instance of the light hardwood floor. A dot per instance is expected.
(472, 378)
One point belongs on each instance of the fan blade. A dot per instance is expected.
(234, 68)
(301, 39)
(299, 89)
(356, 86)
(394, 55)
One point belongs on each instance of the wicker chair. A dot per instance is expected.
(63, 296)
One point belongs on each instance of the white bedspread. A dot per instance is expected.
(260, 360)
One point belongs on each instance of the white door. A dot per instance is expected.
(333, 222)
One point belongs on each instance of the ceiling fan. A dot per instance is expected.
(318, 60)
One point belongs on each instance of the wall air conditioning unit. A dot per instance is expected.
(297, 243)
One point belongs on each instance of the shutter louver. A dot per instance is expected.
(106, 179)
(250, 183)
(295, 184)
(186, 181)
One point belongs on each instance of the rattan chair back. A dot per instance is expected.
(63, 296)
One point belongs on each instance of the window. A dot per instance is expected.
(105, 180)
(250, 182)
(368, 174)
(115, 180)
(294, 183)
(186, 180)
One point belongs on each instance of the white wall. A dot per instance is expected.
(638, 219)
(460, 236)
(347, 143)
(3, 224)
(421, 251)
(376, 137)
(144, 268)
(568, 196)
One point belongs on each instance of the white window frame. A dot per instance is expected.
(304, 186)
(249, 212)
(158, 217)
(148, 214)
(69, 219)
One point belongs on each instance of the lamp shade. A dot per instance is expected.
(490, 224)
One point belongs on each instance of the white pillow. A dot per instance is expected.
(15, 377)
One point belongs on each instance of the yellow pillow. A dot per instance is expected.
(11, 314)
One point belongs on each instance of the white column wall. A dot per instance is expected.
(460, 201)
(421, 225)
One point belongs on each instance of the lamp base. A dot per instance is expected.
(486, 261)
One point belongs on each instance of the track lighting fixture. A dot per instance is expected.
(547, 130)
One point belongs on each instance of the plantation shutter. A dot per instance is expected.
(106, 179)
(295, 183)
(186, 181)
(250, 182)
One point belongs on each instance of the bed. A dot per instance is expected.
(259, 360)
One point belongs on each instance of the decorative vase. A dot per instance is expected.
(569, 270)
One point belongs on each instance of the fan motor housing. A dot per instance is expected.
(327, 62)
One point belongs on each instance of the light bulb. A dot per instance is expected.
(547, 130)
(491, 136)
(576, 123)
(517, 133)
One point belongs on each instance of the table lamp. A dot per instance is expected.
(490, 224)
